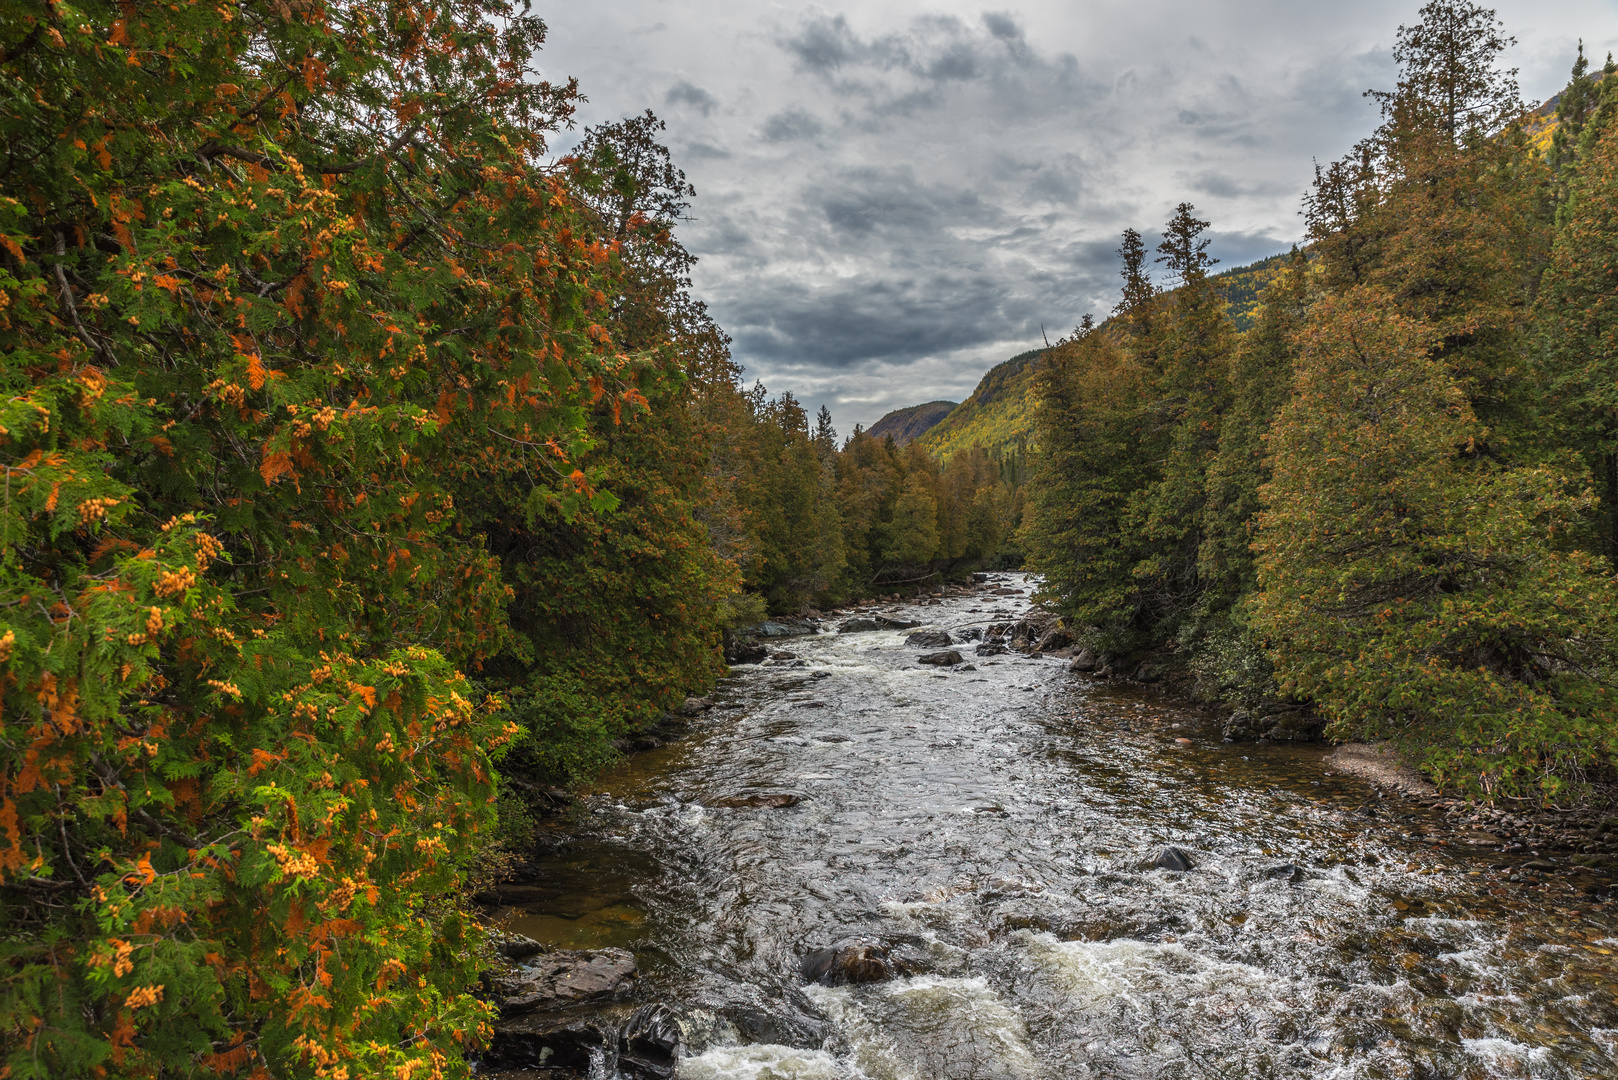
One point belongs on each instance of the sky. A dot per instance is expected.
(894, 197)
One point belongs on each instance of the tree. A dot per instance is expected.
(1447, 74)
(1411, 588)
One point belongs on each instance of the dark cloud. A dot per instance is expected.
(790, 125)
(685, 93)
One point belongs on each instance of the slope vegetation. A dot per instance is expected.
(907, 424)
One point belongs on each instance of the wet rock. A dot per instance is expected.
(1540, 864)
(758, 1025)
(1481, 838)
(896, 624)
(694, 705)
(850, 961)
(549, 1042)
(1055, 639)
(968, 667)
(930, 639)
(745, 652)
(783, 655)
(857, 626)
(1291, 873)
(979, 579)
(940, 659)
(763, 800)
(1085, 661)
(515, 946)
(649, 1045)
(990, 649)
(772, 628)
(997, 632)
(972, 633)
(561, 978)
(1175, 858)
(810, 705)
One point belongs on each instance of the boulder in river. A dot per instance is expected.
(852, 960)
(857, 626)
(515, 946)
(1291, 873)
(560, 978)
(948, 658)
(989, 648)
(1085, 661)
(694, 705)
(550, 1042)
(930, 639)
(1175, 858)
(770, 800)
(887, 623)
(972, 633)
(745, 652)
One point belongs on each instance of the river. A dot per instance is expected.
(996, 829)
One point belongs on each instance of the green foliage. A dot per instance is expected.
(996, 416)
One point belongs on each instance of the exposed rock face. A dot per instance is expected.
(858, 626)
(930, 639)
(852, 960)
(560, 978)
(940, 659)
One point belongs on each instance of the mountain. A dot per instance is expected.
(907, 424)
(995, 416)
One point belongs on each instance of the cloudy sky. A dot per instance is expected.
(893, 197)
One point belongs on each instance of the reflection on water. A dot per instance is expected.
(999, 824)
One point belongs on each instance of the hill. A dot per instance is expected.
(995, 416)
(907, 424)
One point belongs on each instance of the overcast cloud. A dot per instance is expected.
(894, 197)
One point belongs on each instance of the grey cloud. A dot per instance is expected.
(686, 93)
(1002, 26)
(791, 125)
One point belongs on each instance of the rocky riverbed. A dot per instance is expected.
(859, 864)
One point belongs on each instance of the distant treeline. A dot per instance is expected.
(1395, 496)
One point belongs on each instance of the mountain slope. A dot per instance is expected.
(907, 424)
(995, 416)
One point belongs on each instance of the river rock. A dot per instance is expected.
(515, 946)
(989, 648)
(947, 658)
(1291, 873)
(1175, 858)
(694, 705)
(649, 1045)
(560, 978)
(887, 623)
(1540, 864)
(930, 639)
(857, 626)
(972, 633)
(771, 800)
(1085, 661)
(1055, 639)
(852, 960)
(549, 1042)
(745, 652)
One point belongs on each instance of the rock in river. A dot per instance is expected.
(895, 624)
(650, 1042)
(930, 639)
(560, 978)
(857, 626)
(852, 960)
(1085, 661)
(1174, 858)
(940, 659)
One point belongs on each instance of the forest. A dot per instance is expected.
(370, 468)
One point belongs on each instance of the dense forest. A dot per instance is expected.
(369, 468)
(1392, 499)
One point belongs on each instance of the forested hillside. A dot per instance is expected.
(1391, 500)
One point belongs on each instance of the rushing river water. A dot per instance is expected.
(995, 827)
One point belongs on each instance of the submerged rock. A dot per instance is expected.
(940, 659)
(930, 639)
(1291, 873)
(1175, 858)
